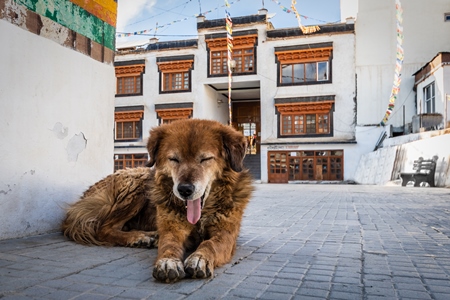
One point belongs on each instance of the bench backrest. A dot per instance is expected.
(424, 166)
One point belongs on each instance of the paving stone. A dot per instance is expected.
(296, 242)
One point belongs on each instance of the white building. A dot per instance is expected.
(294, 94)
(307, 129)
(56, 110)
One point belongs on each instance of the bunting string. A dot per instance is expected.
(398, 63)
(229, 27)
(304, 29)
(289, 11)
(285, 9)
(147, 31)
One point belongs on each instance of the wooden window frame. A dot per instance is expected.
(304, 57)
(134, 117)
(302, 127)
(171, 69)
(240, 43)
(122, 160)
(133, 72)
(302, 111)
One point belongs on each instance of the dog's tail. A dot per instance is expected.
(85, 217)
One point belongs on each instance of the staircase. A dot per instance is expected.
(253, 163)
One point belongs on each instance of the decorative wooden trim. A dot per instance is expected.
(298, 56)
(239, 42)
(174, 113)
(128, 116)
(175, 66)
(132, 70)
(308, 107)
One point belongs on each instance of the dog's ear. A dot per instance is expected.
(235, 146)
(153, 143)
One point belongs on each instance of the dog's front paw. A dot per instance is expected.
(168, 270)
(197, 266)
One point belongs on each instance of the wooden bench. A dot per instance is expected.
(424, 172)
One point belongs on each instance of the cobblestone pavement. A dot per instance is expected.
(297, 242)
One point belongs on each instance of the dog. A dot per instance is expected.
(189, 200)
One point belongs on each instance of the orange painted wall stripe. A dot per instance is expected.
(106, 10)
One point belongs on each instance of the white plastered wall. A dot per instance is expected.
(56, 116)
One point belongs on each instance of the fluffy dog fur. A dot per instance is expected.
(190, 202)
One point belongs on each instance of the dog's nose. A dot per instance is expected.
(186, 189)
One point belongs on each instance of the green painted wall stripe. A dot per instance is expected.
(75, 18)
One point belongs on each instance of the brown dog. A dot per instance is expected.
(193, 198)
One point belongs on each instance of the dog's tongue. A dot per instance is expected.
(194, 210)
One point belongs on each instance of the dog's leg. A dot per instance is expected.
(214, 252)
(169, 265)
(112, 228)
(114, 235)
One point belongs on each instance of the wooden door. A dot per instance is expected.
(278, 167)
(246, 118)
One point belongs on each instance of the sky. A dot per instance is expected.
(176, 19)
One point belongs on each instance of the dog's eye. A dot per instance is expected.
(206, 159)
(174, 159)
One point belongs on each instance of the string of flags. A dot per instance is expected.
(304, 29)
(147, 31)
(229, 27)
(398, 63)
(290, 11)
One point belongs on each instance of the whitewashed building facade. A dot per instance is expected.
(293, 95)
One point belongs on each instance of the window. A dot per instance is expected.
(129, 80)
(428, 96)
(243, 54)
(304, 66)
(128, 125)
(123, 161)
(301, 73)
(176, 81)
(219, 62)
(295, 124)
(175, 75)
(129, 85)
(305, 118)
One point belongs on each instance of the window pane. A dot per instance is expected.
(310, 71)
(299, 73)
(137, 129)
(322, 71)
(186, 81)
(287, 124)
(128, 130)
(119, 85)
(428, 93)
(129, 85)
(118, 130)
(238, 61)
(166, 82)
(310, 123)
(248, 63)
(286, 73)
(323, 123)
(299, 124)
(138, 85)
(176, 81)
